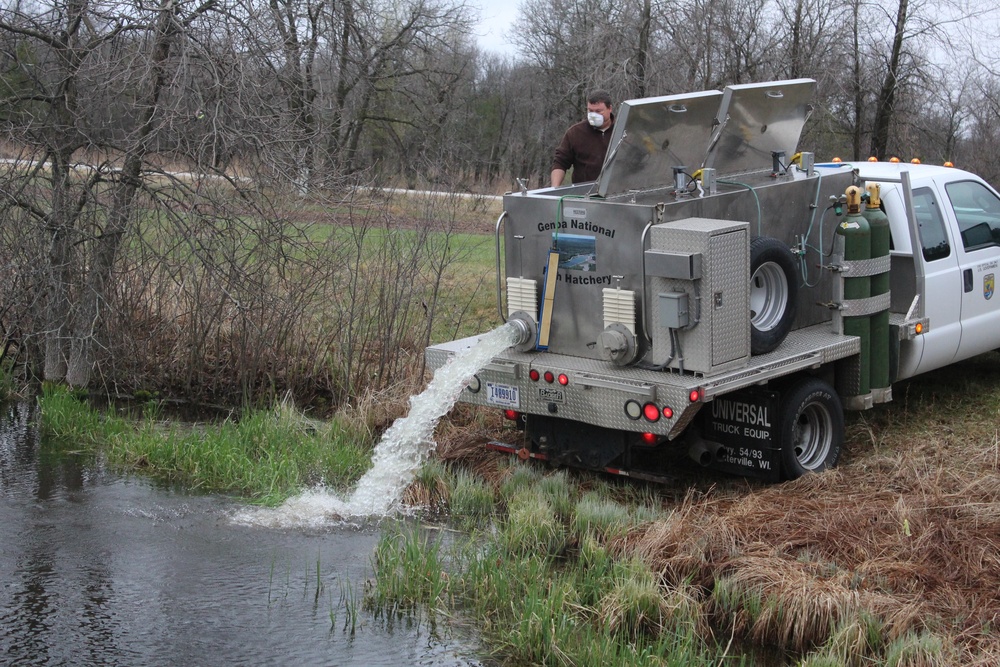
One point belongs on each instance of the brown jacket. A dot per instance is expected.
(583, 147)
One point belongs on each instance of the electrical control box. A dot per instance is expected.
(674, 310)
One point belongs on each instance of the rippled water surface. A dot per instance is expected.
(104, 570)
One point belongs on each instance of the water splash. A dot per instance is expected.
(400, 453)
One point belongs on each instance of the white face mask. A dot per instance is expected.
(595, 119)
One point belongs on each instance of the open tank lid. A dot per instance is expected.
(757, 119)
(653, 135)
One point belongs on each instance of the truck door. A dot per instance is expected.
(942, 282)
(976, 211)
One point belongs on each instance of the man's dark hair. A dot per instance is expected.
(599, 96)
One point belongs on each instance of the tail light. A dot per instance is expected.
(652, 412)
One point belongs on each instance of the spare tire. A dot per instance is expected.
(774, 290)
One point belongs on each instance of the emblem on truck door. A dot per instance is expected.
(988, 284)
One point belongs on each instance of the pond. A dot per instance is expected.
(104, 569)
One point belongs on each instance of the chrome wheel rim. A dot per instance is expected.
(813, 436)
(768, 296)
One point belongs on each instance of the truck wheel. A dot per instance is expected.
(812, 427)
(774, 291)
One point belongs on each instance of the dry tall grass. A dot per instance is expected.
(905, 532)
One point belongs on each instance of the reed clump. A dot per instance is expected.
(470, 500)
(430, 487)
(411, 569)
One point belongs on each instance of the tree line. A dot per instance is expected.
(127, 125)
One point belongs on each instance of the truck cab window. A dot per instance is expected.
(977, 212)
(933, 238)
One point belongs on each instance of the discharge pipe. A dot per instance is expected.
(526, 330)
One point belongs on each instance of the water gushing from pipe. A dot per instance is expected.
(400, 453)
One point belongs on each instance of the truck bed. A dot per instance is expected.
(597, 389)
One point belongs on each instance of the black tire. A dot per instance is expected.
(774, 292)
(812, 427)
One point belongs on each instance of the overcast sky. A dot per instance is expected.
(496, 17)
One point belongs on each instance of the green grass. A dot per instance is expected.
(267, 455)
(69, 421)
(541, 581)
(470, 500)
(412, 568)
(602, 517)
(461, 264)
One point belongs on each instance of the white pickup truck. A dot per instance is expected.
(956, 261)
(717, 290)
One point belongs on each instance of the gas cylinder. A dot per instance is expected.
(855, 234)
(878, 221)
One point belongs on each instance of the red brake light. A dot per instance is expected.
(668, 412)
(549, 377)
(534, 375)
(649, 438)
(511, 414)
(563, 379)
(651, 412)
(695, 395)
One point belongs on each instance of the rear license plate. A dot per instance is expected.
(503, 395)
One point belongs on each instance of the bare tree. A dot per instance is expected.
(913, 29)
(68, 43)
(150, 216)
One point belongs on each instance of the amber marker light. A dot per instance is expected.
(873, 159)
(837, 159)
(915, 160)
(948, 164)
(919, 328)
(894, 160)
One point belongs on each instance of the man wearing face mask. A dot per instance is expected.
(585, 144)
